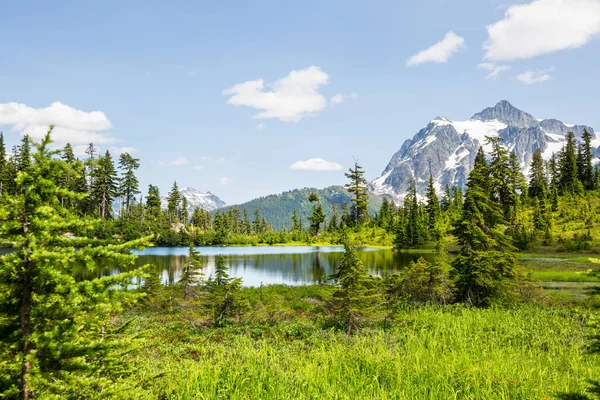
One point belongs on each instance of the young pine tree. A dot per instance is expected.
(224, 298)
(105, 186)
(356, 296)
(174, 203)
(128, 184)
(57, 336)
(192, 271)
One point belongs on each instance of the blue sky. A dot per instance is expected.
(166, 80)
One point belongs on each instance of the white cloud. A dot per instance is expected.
(290, 99)
(198, 167)
(224, 181)
(73, 126)
(439, 52)
(216, 160)
(531, 77)
(353, 95)
(316, 164)
(338, 98)
(260, 126)
(541, 27)
(495, 70)
(174, 163)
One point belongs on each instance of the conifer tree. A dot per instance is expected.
(57, 334)
(486, 263)
(538, 183)
(224, 298)
(446, 199)
(296, 224)
(433, 206)
(568, 177)
(356, 296)
(358, 189)
(334, 220)
(192, 270)
(104, 187)
(173, 203)
(317, 217)
(586, 172)
(184, 212)
(24, 155)
(153, 198)
(128, 184)
(257, 225)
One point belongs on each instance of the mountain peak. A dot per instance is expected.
(505, 112)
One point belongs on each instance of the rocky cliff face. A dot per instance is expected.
(447, 148)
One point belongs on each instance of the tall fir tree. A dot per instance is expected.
(105, 186)
(538, 182)
(586, 169)
(174, 203)
(192, 271)
(128, 183)
(568, 175)
(358, 189)
(317, 218)
(433, 206)
(3, 164)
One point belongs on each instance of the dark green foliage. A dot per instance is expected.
(356, 296)
(585, 169)
(538, 182)
(174, 203)
(128, 183)
(58, 336)
(358, 189)
(569, 177)
(223, 297)
(317, 217)
(104, 185)
(433, 211)
(192, 272)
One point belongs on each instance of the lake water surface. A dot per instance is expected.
(297, 265)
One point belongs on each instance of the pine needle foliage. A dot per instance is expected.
(59, 337)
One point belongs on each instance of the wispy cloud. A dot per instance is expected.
(198, 167)
(541, 27)
(216, 160)
(531, 77)
(316, 164)
(174, 162)
(495, 70)
(439, 52)
(290, 99)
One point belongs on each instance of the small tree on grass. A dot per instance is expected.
(356, 297)
(192, 271)
(224, 291)
(58, 336)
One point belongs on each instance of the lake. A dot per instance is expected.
(293, 265)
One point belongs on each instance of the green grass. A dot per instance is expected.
(563, 276)
(284, 348)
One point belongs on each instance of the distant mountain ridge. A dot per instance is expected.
(447, 148)
(278, 208)
(205, 200)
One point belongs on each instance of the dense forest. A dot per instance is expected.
(473, 325)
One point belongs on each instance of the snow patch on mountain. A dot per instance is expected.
(205, 200)
(447, 148)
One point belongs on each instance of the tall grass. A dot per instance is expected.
(431, 353)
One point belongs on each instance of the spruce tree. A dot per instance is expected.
(356, 296)
(192, 271)
(57, 336)
(224, 298)
(538, 183)
(153, 198)
(317, 217)
(184, 214)
(486, 264)
(568, 177)
(24, 155)
(104, 187)
(358, 189)
(586, 172)
(128, 183)
(433, 206)
(296, 224)
(174, 203)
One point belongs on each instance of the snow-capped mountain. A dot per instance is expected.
(450, 147)
(207, 201)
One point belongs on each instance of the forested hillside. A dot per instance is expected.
(278, 208)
